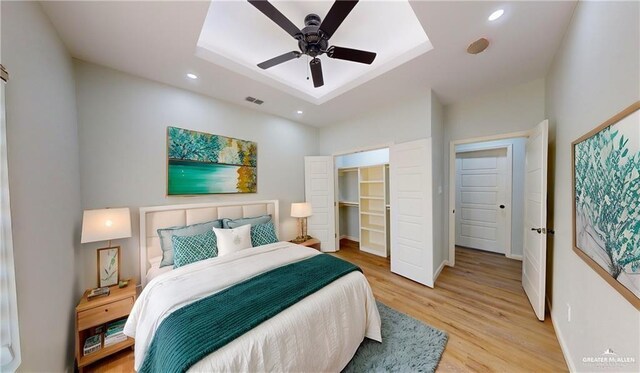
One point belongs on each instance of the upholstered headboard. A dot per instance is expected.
(156, 217)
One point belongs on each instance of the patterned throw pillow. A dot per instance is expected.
(190, 249)
(166, 235)
(263, 234)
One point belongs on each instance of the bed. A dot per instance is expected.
(319, 332)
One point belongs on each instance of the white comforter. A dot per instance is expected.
(319, 333)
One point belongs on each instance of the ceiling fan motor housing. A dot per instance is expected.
(313, 39)
(312, 42)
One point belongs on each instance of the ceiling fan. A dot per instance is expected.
(313, 39)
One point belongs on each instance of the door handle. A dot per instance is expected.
(539, 230)
(501, 206)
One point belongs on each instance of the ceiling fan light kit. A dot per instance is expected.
(313, 39)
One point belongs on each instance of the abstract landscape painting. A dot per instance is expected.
(607, 199)
(201, 163)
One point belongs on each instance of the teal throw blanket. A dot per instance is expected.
(200, 328)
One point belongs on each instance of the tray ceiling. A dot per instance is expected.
(237, 36)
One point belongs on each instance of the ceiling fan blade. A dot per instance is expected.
(274, 14)
(316, 72)
(349, 54)
(338, 12)
(278, 60)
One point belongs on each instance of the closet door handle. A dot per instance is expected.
(539, 230)
(501, 206)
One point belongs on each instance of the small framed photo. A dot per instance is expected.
(108, 266)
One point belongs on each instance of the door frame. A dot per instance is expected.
(336, 208)
(508, 191)
(452, 182)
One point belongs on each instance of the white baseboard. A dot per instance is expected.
(437, 273)
(563, 345)
(350, 238)
(513, 256)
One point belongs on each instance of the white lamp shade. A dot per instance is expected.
(301, 210)
(106, 224)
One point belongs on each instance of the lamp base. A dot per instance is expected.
(301, 239)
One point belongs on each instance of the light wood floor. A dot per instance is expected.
(479, 302)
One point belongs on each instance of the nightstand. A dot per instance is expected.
(97, 312)
(312, 242)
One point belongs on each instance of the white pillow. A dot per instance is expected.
(232, 240)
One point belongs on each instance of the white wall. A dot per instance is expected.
(517, 186)
(595, 74)
(512, 109)
(349, 223)
(410, 120)
(440, 250)
(349, 217)
(45, 184)
(123, 121)
(509, 110)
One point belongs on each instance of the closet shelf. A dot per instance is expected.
(372, 213)
(371, 181)
(373, 248)
(372, 197)
(349, 203)
(373, 228)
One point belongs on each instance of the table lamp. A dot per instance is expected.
(106, 225)
(302, 211)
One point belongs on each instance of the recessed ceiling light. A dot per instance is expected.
(497, 14)
(299, 112)
(192, 76)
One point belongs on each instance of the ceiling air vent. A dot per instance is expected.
(254, 100)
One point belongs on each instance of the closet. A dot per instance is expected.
(381, 198)
(363, 200)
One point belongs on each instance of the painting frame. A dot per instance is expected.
(104, 257)
(251, 168)
(627, 293)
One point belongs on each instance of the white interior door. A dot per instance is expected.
(319, 190)
(483, 200)
(535, 218)
(411, 210)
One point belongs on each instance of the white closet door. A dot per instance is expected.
(411, 210)
(534, 262)
(319, 190)
(483, 199)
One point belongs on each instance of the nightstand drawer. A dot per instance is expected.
(104, 313)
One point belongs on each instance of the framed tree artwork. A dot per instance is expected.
(201, 163)
(108, 266)
(606, 197)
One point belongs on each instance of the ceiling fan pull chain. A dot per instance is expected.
(307, 66)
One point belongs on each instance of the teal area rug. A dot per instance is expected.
(408, 345)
